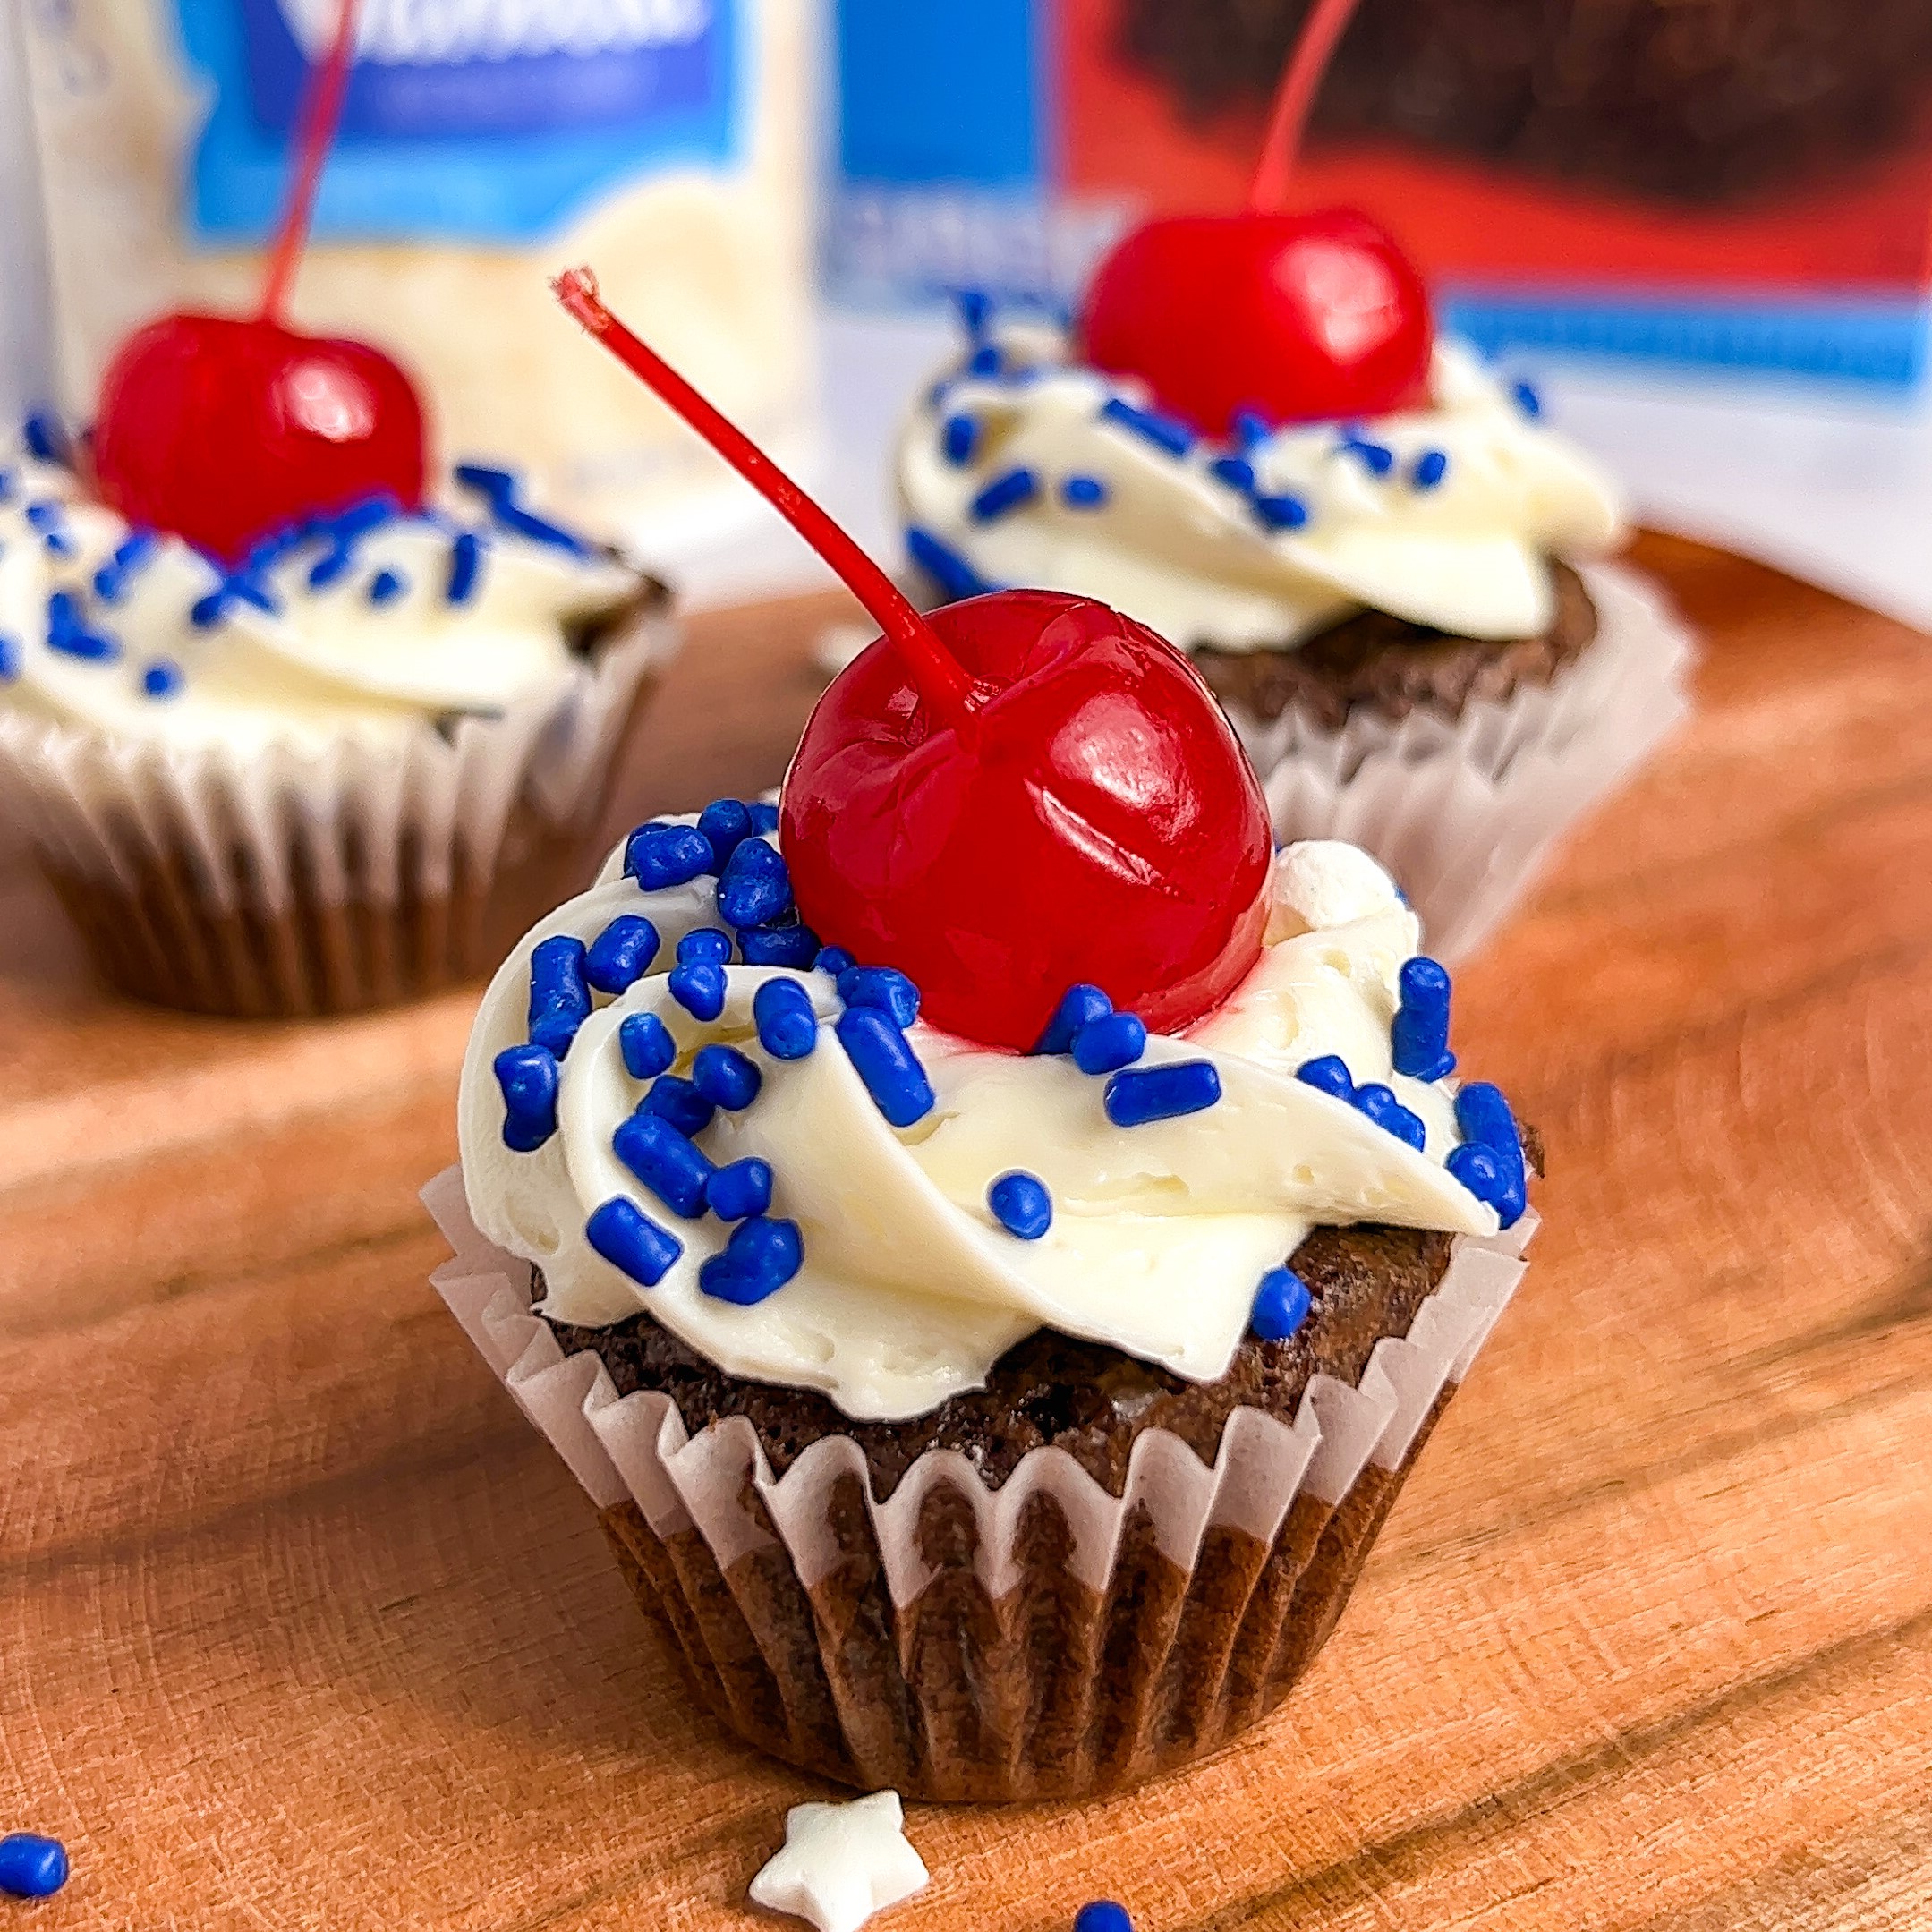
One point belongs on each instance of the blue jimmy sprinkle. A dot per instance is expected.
(779, 945)
(726, 823)
(1281, 1305)
(1021, 1204)
(559, 993)
(44, 514)
(1079, 1006)
(1107, 1044)
(1143, 1094)
(1006, 492)
(628, 1239)
(699, 987)
(1236, 472)
(1328, 1075)
(959, 438)
(1484, 1118)
(646, 1044)
(673, 1098)
(1525, 396)
(660, 855)
(67, 631)
(725, 1077)
(1378, 458)
(704, 946)
(1280, 511)
(975, 309)
(764, 817)
(499, 490)
(833, 959)
(884, 987)
(788, 1023)
(1250, 427)
(528, 1076)
(163, 678)
(1381, 1106)
(621, 954)
(1102, 1915)
(755, 887)
(664, 1160)
(886, 1065)
(44, 436)
(1082, 492)
(760, 1258)
(1175, 438)
(985, 361)
(1428, 469)
(9, 658)
(1418, 1036)
(58, 543)
(31, 1867)
(466, 567)
(955, 577)
(739, 1189)
(386, 586)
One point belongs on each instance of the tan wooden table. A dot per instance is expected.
(300, 1624)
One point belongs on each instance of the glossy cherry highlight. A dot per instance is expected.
(1016, 793)
(222, 429)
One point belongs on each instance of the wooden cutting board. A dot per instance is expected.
(301, 1625)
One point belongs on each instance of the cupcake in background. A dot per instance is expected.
(344, 772)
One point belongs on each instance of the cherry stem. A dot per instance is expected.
(1294, 97)
(322, 109)
(943, 680)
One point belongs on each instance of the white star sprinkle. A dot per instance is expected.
(842, 1863)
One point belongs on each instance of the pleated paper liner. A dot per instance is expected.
(1040, 1639)
(296, 885)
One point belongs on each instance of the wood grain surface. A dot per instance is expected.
(301, 1625)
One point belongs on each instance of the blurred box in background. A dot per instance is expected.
(484, 144)
(1727, 184)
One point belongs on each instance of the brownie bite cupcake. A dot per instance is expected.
(986, 1424)
(1408, 618)
(344, 772)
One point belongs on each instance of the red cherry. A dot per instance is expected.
(221, 430)
(1091, 818)
(1296, 316)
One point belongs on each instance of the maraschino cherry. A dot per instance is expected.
(223, 429)
(1020, 793)
(1295, 317)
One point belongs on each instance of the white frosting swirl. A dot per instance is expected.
(911, 1290)
(1445, 516)
(375, 649)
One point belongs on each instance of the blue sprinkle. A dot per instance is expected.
(1236, 472)
(833, 959)
(725, 1077)
(498, 488)
(1078, 1005)
(706, 946)
(1280, 511)
(1082, 492)
(1380, 1105)
(1420, 1035)
(241, 589)
(559, 994)
(1021, 1204)
(1107, 1044)
(628, 1239)
(698, 988)
(660, 855)
(206, 612)
(1428, 470)
(466, 567)
(9, 658)
(955, 577)
(760, 1258)
(726, 823)
(788, 1025)
(1378, 458)
(44, 514)
(740, 1189)
(44, 436)
(764, 817)
(58, 543)
(134, 549)
(31, 1867)
(488, 482)
(67, 631)
(528, 1076)
(330, 567)
(885, 987)
(1483, 1117)
(1526, 398)
(163, 678)
(1281, 1305)
(6, 485)
(646, 1044)
(665, 1161)
(960, 439)
(1007, 491)
(985, 361)
(1251, 427)
(673, 1098)
(1328, 1075)
(1176, 438)
(621, 954)
(1478, 1170)
(1143, 1094)
(887, 1065)
(754, 888)
(975, 309)
(779, 945)
(386, 586)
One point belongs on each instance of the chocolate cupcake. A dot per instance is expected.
(1020, 1442)
(348, 773)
